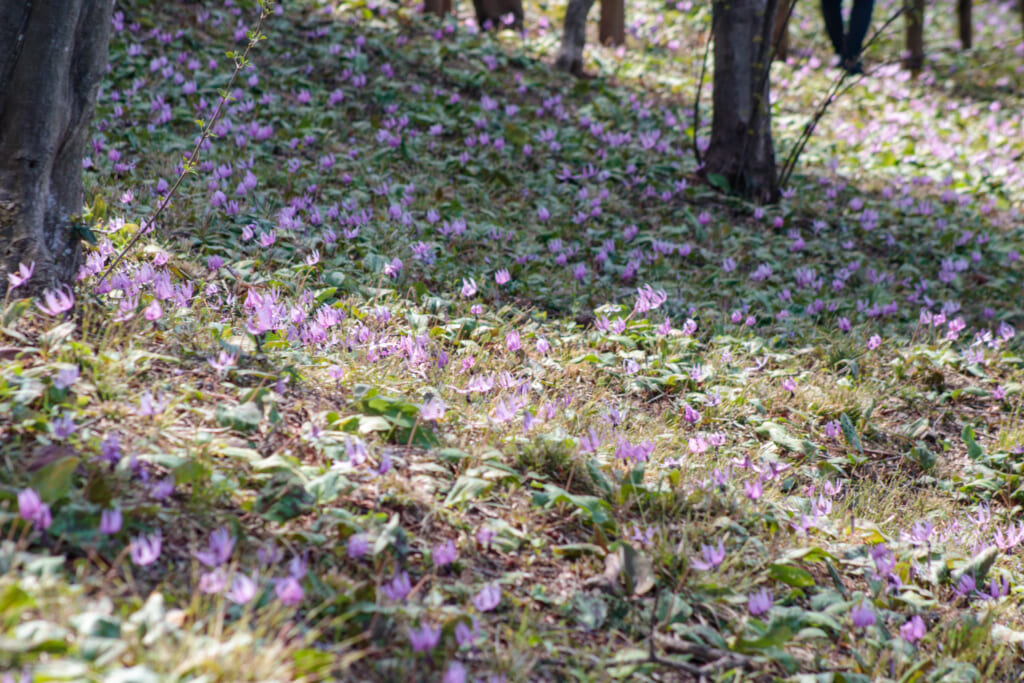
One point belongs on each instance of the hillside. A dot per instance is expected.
(441, 365)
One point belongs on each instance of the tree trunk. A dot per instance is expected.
(612, 29)
(780, 36)
(914, 11)
(963, 8)
(53, 54)
(574, 34)
(741, 147)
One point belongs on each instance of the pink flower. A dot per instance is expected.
(712, 556)
(913, 630)
(289, 591)
(243, 589)
(488, 598)
(146, 549)
(110, 521)
(22, 276)
(862, 615)
(760, 602)
(57, 301)
(31, 508)
(153, 311)
(424, 638)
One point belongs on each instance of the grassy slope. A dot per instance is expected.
(565, 469)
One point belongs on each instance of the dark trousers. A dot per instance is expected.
(847, 44)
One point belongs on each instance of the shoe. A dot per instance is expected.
(853, 67)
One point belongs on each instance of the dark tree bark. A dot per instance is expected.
(574, 37)
(914, 12)
(491, 13)
(53, 54)
(741, 147)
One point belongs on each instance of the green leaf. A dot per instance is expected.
(850, 434)
(327, 487)
(284, 498)
(779, 632)
(53, 482)
(589, 611)
(638, 570)
(191, 472)
(242, 418)
(14, 601)
(719, 181)
(974, 451)
(597, 509)
(978, 566)
(467, 488)
(779, 436)
(790, 575)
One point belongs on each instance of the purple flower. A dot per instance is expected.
(110, 449)
(268, 555)
(425, 638)
(289, 591)
(221, 544)
(162, 489)
(146, 549)
(31, 508)
(760, 602)
(455, 673)
(433, 409)
(398, 587)
(488, 598)
(832, 429)
(468, 287)
(485, 535)
(464, 635)
(690, 416)
(445, 554)
(753, 489)
(110, 521)
(213, 582)
(297, 567)
(64, 426)
(712, 555)
(502, 276)
(223, 361)
(242, 590)
(913, 630)
(357, 546)
(23, 274)
(68, 376)
(862, 615)
(999, 590)
(789, 384)
(874, 342)
(57, 301)
(966, 586)
(153, 311)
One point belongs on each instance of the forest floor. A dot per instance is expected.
(442, 365)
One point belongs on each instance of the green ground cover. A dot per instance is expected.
(439, 365)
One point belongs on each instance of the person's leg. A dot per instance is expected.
(832, 10)
(860, 22)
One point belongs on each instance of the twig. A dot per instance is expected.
(713, 657)
(146, 225)
(835, 91)
(700, 87)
